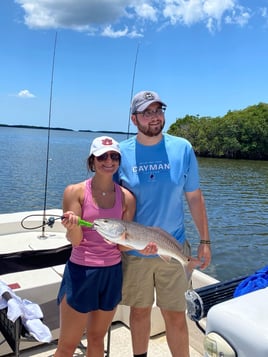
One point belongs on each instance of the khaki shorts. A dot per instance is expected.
(144, 278)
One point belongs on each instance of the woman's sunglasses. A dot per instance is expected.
(113, 156)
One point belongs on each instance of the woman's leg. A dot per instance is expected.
(97, 326)
(72, 328)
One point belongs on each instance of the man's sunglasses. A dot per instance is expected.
(113, 156)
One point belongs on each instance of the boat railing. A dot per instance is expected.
(200, 300)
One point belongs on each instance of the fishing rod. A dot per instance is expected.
(48, 221)
(132, 88)
(43, 236)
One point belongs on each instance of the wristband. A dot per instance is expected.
(203, 241)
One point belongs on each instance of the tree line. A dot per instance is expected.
(240, 134)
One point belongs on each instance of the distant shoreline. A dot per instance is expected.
(64, 129)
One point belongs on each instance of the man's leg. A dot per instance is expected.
(176, 333)
(140, 325)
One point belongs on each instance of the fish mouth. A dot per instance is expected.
(99, 224)
(97, 227)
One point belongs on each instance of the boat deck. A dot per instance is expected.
(120, 346)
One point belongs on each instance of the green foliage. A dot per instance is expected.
(241, 134)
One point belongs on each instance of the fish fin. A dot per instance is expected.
(166, 258)
(130, 246)
(158, 229)
(166, 234)
(108, 241)
(190, 266)
(123, 238)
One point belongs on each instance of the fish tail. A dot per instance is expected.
(188, 268)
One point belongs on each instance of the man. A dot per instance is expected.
(160, 170)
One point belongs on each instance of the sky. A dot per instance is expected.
(203, 57)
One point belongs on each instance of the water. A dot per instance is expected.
(235, 193)
(237, 206)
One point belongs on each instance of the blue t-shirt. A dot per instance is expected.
(158, 176)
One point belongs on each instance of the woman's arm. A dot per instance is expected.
(129, 205)
(72, 208)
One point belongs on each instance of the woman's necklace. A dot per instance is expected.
(102, 193)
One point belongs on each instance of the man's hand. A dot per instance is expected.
(151, 248)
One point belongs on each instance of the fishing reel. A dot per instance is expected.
(30, 224)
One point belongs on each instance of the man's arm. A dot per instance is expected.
(197, 208)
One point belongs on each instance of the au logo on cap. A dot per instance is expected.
(107, 141)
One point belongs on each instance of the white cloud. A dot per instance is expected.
(240, 19)
(25, 94)
(109, 32)
(264, 12)
(101, 17)
(209, 12)
(146, 11)
(78, 14)
(186, 12)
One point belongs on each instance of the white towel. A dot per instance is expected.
(3, 289)
(14, 310)
(37, 329)
(29, 312)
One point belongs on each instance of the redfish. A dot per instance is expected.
(137, 236)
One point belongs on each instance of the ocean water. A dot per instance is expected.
(235, 192)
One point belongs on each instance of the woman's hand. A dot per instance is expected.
(70, 220)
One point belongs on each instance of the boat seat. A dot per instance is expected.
(200, 300)
(15, 332)
(11, 331)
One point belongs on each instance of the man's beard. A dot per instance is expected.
(148, 130)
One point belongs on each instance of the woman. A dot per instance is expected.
(92, 281)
